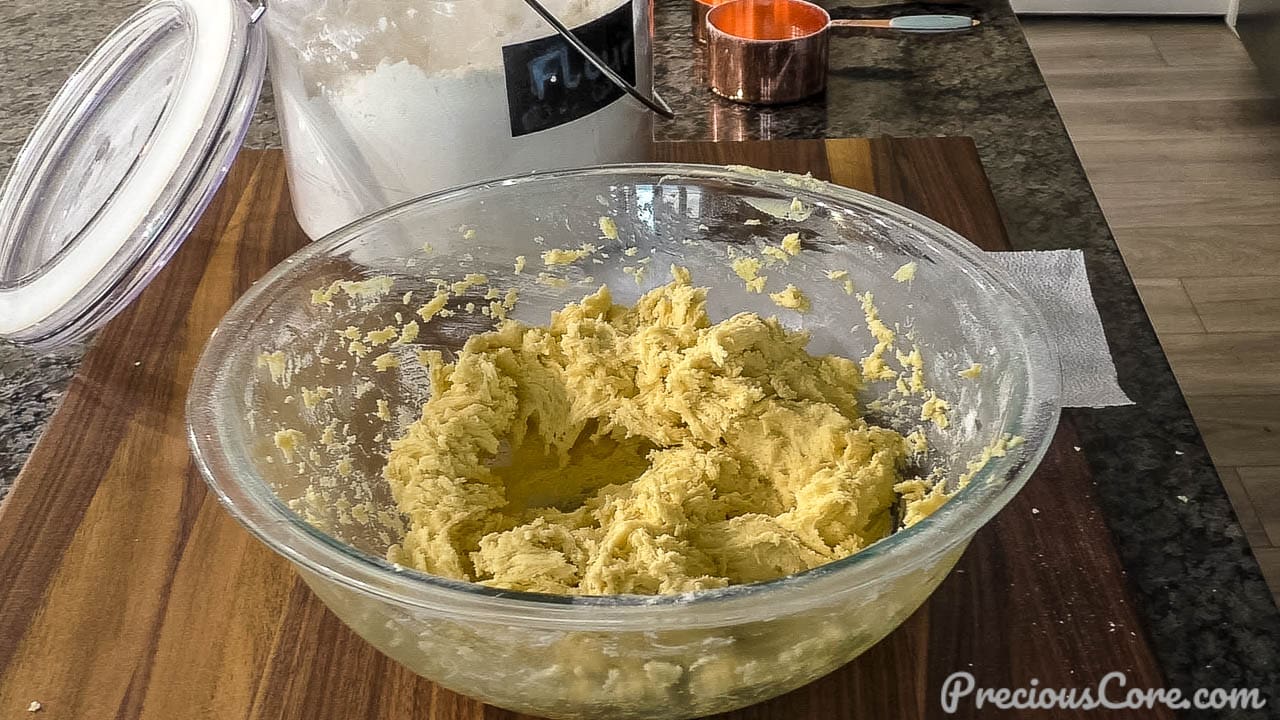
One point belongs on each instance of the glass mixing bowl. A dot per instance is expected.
(290, 428)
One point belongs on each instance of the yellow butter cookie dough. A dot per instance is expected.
(641, 450)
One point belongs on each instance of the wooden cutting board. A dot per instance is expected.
(126, 591)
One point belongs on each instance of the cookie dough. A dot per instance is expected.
(641, 450)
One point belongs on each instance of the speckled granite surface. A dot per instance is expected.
(1209, 614)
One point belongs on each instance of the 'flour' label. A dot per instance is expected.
(549, 83)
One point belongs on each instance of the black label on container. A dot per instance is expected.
(549, 83)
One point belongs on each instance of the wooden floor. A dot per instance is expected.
(1181, 142)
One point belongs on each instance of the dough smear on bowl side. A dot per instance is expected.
(643, 450)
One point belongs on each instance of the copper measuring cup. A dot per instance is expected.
(767, 52)
(700, 9)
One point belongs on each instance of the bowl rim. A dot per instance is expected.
(247, 497)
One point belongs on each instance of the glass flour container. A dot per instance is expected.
(379, 101)
(382, 101)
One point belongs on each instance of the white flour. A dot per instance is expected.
(381, 102)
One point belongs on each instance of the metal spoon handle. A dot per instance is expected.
(654, 103)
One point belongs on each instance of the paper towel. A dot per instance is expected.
(1057, 282)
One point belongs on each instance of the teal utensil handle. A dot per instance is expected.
(931, 23)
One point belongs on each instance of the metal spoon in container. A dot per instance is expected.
(652, 101)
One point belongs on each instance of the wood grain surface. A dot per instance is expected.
(1188, 177)
(126, 591)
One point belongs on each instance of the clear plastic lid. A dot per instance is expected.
(121, 165)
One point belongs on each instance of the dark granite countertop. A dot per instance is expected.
(1209, 615)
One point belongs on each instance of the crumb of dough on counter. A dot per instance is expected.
(468, 232)
(873, 365)
(791, 244)
(370, 289)
(798, 211)
(467, 282)
(469, 307)
(776, 254)
(914, 362)
(312, 397)
(406, 298)
(357, 348)
(906, 273)
(790, 297)
(552, 281)
(383, 336)
(492, 293)
(351, 332)
(426, 248)
(329, 434)
(972, 372)
(997, 449)
(287, 441)
(408, 333)
(385, 362)
(921, 498)
(277, 365)
(34, 706)
(641, 449)
(366, 290)
(917, 442)
(384, 410)
(434, 305)
(521, 261)
(751, 221)
(934, 409)
(793, 211)
(748, 268)
(631, 251)
(562, 256)
(637, 273)
(608, 228)
(841, 276)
